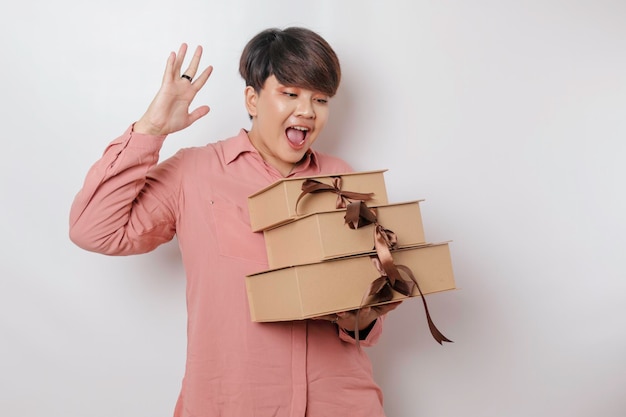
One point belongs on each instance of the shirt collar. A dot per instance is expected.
(238, 145)
(241, 144)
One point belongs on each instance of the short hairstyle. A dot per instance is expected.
(296, 56)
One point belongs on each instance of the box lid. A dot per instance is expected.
(291, 179)
(303, 216)
(362, 254)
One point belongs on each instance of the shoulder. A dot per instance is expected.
(218, 151)
(189, 155)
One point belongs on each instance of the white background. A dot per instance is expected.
(507, 117)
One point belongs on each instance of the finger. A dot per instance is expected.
(169, 67)
(365, 311)
(178, 63)
(198, 113)
(343, 314)
(386, 308)
(202, 78)
(195, 62)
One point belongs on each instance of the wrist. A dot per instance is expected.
(146, 128)
(363, 333)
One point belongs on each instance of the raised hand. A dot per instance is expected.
(169, 110)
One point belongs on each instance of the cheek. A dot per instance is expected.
(281, 108)
(271, 118)
(321, 117)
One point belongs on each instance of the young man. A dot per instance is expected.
(130, 204)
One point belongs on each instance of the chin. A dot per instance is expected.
(294, 155)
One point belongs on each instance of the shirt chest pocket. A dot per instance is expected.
(235, 238)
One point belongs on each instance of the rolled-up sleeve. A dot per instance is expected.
(126, 204)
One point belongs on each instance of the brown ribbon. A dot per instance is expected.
(311, 186)
(381, 289)
(358, 214)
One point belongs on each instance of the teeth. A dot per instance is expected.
(303, 129)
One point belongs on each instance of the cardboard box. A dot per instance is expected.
(321, 236)
(311, 290)
(276, 203)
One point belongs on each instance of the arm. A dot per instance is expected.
(126, 204)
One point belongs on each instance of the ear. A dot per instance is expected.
(251, 100)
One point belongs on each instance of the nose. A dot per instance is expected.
(305, 108)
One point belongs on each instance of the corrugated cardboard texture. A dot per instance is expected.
(319, 236)
(332, 286)
(276, 203)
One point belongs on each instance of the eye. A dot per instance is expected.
(290, 94)
(322, 100)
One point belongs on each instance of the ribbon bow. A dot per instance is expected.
(310, 186)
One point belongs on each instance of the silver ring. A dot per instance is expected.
(185, 76)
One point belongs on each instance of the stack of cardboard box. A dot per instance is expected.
(318, 265)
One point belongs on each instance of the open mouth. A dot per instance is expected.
(297, 135)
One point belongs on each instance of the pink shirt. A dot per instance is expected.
(235, 367)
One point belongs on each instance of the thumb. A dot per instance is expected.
(198, 113)
(365, 311)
